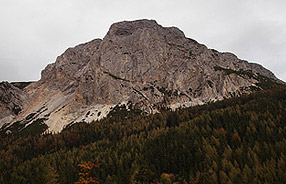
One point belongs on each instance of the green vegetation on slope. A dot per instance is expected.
(238, 140)
(263, 82)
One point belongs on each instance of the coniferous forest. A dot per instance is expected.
(237, 140)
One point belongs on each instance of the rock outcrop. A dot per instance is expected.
(12, 101)
(139, 63)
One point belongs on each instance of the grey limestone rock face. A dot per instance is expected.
(12, 102)
(139, 55)
(139, 62)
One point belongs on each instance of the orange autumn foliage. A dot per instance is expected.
(85, 177)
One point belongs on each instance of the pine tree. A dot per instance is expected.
(51, 175)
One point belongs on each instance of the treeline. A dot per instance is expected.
(238, 140)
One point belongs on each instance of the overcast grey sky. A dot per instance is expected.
(34, 32)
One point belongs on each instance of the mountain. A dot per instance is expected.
(138, 65)
(237, 140)
(12, 101)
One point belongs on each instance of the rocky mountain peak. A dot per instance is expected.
(71, 61)
(127, 28)
(139, 64)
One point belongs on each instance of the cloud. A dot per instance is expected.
(6, 68)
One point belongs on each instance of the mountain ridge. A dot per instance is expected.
(138, 63)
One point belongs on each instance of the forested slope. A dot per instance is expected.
(238, 140)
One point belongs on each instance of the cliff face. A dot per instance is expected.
(12, 101)
(139, 63)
